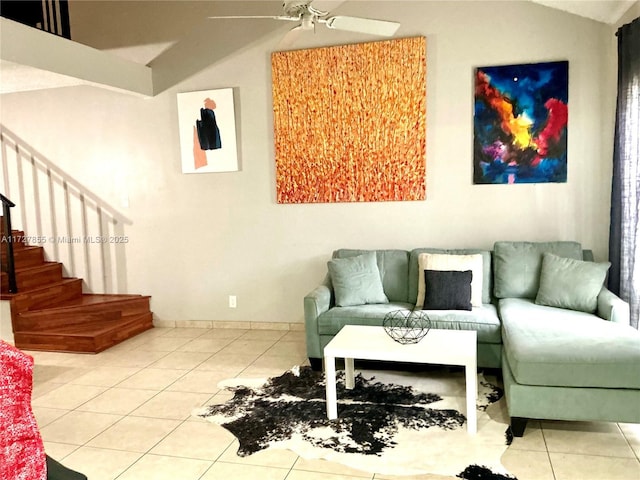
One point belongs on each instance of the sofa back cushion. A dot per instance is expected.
(394, 270)
(414, 269)
(517, 265)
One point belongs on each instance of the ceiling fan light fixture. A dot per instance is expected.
(307, 21)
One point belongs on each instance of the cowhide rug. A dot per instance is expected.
(391, 423)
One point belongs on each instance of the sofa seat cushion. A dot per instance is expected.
(557, 347)
(483, 320)
(332, 321)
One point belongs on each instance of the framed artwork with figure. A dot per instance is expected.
(207, 124)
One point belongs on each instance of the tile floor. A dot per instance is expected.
(125, 414)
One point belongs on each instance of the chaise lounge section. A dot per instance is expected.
(562, 363)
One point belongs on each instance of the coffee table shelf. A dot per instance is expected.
(442, 347)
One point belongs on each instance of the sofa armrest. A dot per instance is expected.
(316, 303)
(613, 308)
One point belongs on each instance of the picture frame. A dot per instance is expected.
(350, 122)
(520, 123)
(207, 126)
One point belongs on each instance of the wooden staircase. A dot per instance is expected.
(50, 312)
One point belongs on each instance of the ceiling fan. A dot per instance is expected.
(302, 11)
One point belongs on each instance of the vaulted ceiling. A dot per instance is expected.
(31, 59)
(605, 11)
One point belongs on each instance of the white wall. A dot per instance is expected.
(196, 239)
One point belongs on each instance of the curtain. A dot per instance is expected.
(624, 235)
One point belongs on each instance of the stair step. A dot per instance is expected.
(93, 337)
(84, 309)
(101, 298)
(34, 277)
(87, 302)
(44, 322)
(45, 296)
(24, 258)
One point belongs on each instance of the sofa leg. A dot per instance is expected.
(518, 424)
(316, 364)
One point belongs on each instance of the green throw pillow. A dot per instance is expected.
(356, 280)
(516, 265)
(571, 284)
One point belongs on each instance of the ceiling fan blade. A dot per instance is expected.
(326, 5)
(362, 25)
(270, 17)
(290, 38)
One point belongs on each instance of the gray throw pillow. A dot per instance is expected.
(447, 290)
(356, 280)
(571, 284)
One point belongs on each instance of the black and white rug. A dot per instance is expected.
(393, 423)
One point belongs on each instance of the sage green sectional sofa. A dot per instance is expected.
(566, 353)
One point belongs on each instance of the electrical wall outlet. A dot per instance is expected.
(232, 301)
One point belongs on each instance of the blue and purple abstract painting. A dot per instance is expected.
(520, 123)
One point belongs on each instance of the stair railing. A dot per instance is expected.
(49, 15)
(73, 225)
(7, 236)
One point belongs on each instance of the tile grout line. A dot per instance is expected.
(217, 459)
(635, 454)
(546, 446)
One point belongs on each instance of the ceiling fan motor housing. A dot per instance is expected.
(295, 8)
(301, 8)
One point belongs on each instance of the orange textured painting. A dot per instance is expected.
(350, 122)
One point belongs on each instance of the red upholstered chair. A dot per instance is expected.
(22, 454)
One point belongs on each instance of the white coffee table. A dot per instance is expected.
(444, 347)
